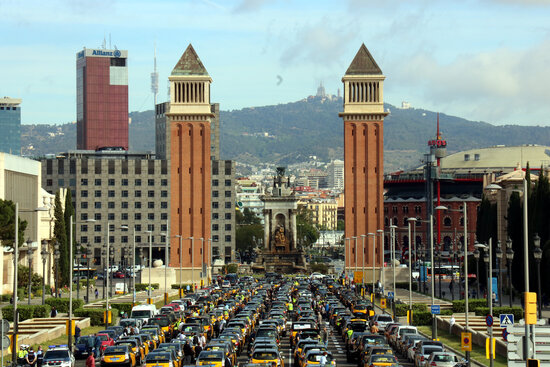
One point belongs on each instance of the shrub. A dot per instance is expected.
(184, 287)
(230, 268)
(95, 315)
(422, 318)
(62, 304)
(26, 312)
(473, 304)
(497, 311)
(143, 286)
(123, 307)
(319, 268)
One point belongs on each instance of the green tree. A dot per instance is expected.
(7, 224)
(247, 216)
(307, 233)
(340, 225)
(60, 236)
(249, 230)
(69, 211)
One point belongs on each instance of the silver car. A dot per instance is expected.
(442, 359)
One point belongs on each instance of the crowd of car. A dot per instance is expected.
(250, 319)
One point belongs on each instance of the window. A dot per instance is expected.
(164, 205)
(227, 182)
(163, 216)
(215, 215)
(72, 182)
(151, 205)
(215, 194)
(124, 216)
(72, 167)
(97, 216)
(84, 182)
(215, 183)
(476, 157)
(111, 239)
(124, 205)
(405, 209)
(228, 205)
(405, 222)
(124, 193)
(84, 167)
(386, 222)
(462, 221)
(137, 182)
(163, 227)
(83, 216)
(60, 167)
(83, 193)
(394, 209)
(97, 193)
(125, 167)
(447, 222)
(84, 205)
(164, 194)
(83, 239)
(151, 227)
(61, 182)
(137, 193)
(466, 157)
(111, 205)
(138, 239)
(111, 216)
(151, 167)
(151, 216)
(124, 182)
(164, 182)
(228, 194)
(227, 168)
(97, 205)
(215, 238)
(227, 215)
(84, 228)
(151, 182)
(215, 227)
(97, 182)
(151, 194)
(138, 227)
(137, 205)
(137, 216)
(124, 239)
(111, 193)
(228, 238)
(49, 167)
(228, 227)
(214, 205)
(97, 227)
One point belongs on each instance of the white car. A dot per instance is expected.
(59, 356)
(442, 359)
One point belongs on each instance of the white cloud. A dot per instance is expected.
(250, 5)
(502, 86)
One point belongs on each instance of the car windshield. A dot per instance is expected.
(407, 331)
(445, 358)
(317, 358)
(57, 354)
(127, 322)
(115, 350)
(85, 340)
(103, 337)
(211, 357)
(431, 349)
(264, 355)
(384, 318)
(158, 358)
(141, 313)
(160, 321)
(383, 358)
(374, 339)
(266, 333)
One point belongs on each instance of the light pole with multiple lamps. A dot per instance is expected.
(392, 259)
(381, 233)
(537, 254)
(476, 256)
(373, 262)
(509, 260)
(44, 253)
(498, 254)
(413, 221)
(181, 264)
(192, 263)
(30, 252)
(363, 265)
(149, 290)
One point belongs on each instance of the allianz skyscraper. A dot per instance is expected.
(10, 125)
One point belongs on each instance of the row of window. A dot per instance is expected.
(123, 239)
(447, 221)
(110, 182)
(97, 163)
(216, 205)
(405, 209)
(216, 194)
(124, 193)
(217, 182)
(125, 216)
(216, 238)
(215, 227)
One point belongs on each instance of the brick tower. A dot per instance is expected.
(363, 159)
(188, 128)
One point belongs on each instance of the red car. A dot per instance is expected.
(106, 341)
(118, 274)
(175, 306)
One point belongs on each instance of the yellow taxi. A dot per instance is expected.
(314, 358)
(382, 360)
(267, 356)
(133, 346)
(155, 336)
(118, 355)
(160, 359)
(214, 358)
(224, 347)
(163, 322)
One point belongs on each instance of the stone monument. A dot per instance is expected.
(280, 253)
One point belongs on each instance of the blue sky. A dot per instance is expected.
(479, 59)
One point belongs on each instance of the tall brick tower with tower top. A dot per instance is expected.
(188, 129)
(363, 161)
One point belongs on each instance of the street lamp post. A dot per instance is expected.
(383, 279)
(509, 259)
(410, 220)
(392, 257)
(476, 256)
(363, 265)
(488, 258)
(434, 321)
(88, 250)
(149, 294)
(181, 262)
(537, 254)
(498, 254)
(30, 252)
(355, 251)
(192, 263)
(78, 253)
(44, 253)
(373, 255)
(56, 255)
(202, 260)
(439, 255)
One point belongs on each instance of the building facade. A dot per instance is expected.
(363, 156)
(223, 210)
(112, 190)
(10, 123)
(335, 175)
(324, 213)
(101, 99)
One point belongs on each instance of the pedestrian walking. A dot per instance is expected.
(90, 361)
(53, 312)
(451, 323)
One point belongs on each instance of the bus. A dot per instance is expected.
(83, 272)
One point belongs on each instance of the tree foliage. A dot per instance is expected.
(307, 232)
(249, 231)
(60, 237)
(7, 224)
(69, 212)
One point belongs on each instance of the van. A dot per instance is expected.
(121, 288)
(143, 312)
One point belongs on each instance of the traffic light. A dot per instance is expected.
(533, 363)
(530, 308)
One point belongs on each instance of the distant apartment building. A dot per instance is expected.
(223, 210)
(101, 99)
(112, 190)
(335, 175)
(10, 124)
(248, 194)
(324, 213)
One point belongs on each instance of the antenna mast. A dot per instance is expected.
(155, 79)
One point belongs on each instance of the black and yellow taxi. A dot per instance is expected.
(267, 356)
(160, 359)
(134, 347)
(315, 358)
(215, 358)
(119, 355)
(320, 348)
(298, 327)
(301, 344)
(156, 332)
(223, 346)
(146, 340)
(165, 324)
(176, 347)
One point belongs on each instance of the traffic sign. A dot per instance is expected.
(506, 319)
(505, 334)
(5, 326)
(382, 303)
(436, 309)
(6, 342)
(489, 320)
(390, 295)
(466, 342)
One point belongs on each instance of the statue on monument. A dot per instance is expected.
(281, 242)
